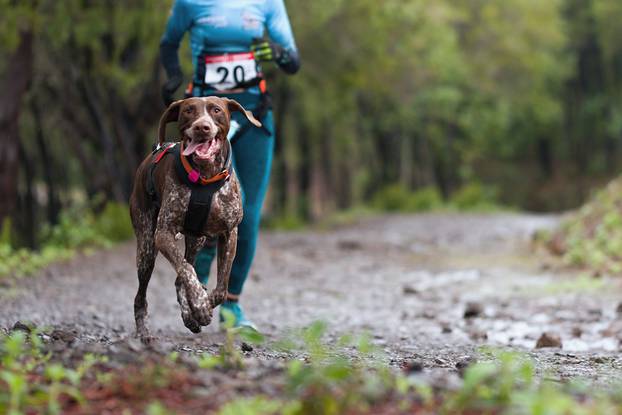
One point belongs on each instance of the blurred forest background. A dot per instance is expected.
(518, 102)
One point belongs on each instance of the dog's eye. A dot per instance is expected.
(189, 110)
(217, 110)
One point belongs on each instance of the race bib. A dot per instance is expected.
(227, 71)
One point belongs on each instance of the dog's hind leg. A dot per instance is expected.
(227, 244)
(145, 261)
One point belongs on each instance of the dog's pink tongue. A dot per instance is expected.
(192, 147)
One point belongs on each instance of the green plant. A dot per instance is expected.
(396, 198)
(32, 381)
(592, 236)
(475, 196)
(229, 356)
(78, 229)
(114, 223)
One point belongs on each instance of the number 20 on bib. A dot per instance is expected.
(227, 71)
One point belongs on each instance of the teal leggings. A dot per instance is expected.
(252, 160)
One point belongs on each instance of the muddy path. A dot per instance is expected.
(407, 280)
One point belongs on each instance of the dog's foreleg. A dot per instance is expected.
(227, 244)
(193, 246)
(192, 298)
(186, 312)
(145, 261)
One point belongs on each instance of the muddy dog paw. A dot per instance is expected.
(186, 313)
(190, 323)
(197, 298)
(217, 297)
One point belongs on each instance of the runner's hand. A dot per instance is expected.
(169, 88)
(266, 51)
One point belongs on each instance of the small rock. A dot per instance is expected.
(414, 366)
(348, 245)
(619, 309)
(465, 362)
(549, 340)
(577, 331)
(597, 312)
(137, 345)
(440, 362)
(63, 335)
(473, 309)
(599, 359)
(428, 315)
(246, 347)
(19, 326)
(446, 328)
(409, 290)
(477, 335)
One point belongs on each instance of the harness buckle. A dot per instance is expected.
(194, 176)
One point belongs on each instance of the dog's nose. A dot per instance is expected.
(203, 127)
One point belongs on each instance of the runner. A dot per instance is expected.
(227, 38)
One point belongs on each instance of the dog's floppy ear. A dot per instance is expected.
(233, 105)
(171, 114)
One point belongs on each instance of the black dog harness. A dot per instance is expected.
(202, 189)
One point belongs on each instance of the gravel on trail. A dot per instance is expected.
(430, 289)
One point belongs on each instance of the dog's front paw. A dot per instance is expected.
(217, 297)
(203, 315)
(190, 322)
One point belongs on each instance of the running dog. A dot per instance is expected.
(163, 206)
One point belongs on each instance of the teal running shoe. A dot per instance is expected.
(232, 308)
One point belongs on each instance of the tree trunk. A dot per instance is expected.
(14, 83)
(26, 203)
(53, 201)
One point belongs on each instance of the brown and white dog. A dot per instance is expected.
(203, 124)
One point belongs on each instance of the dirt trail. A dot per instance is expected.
(406, 279)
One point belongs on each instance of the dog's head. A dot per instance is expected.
(203, 124)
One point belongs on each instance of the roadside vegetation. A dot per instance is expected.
(78, 230)
(349, 376)
(591, 237)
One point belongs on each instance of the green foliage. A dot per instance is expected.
(114, 223)
(475, 196)
(332, 380)
(252, 406)
(509, 385)
(592, 237)
(30, 382)
(470, 197)
(229, 357)
(396, 198)
(78, 229)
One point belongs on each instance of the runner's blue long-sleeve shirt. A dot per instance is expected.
(226, 26)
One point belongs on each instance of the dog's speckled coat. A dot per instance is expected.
(157, 229)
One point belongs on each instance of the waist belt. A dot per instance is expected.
(202, 189)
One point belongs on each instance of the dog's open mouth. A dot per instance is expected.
(204, 150)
